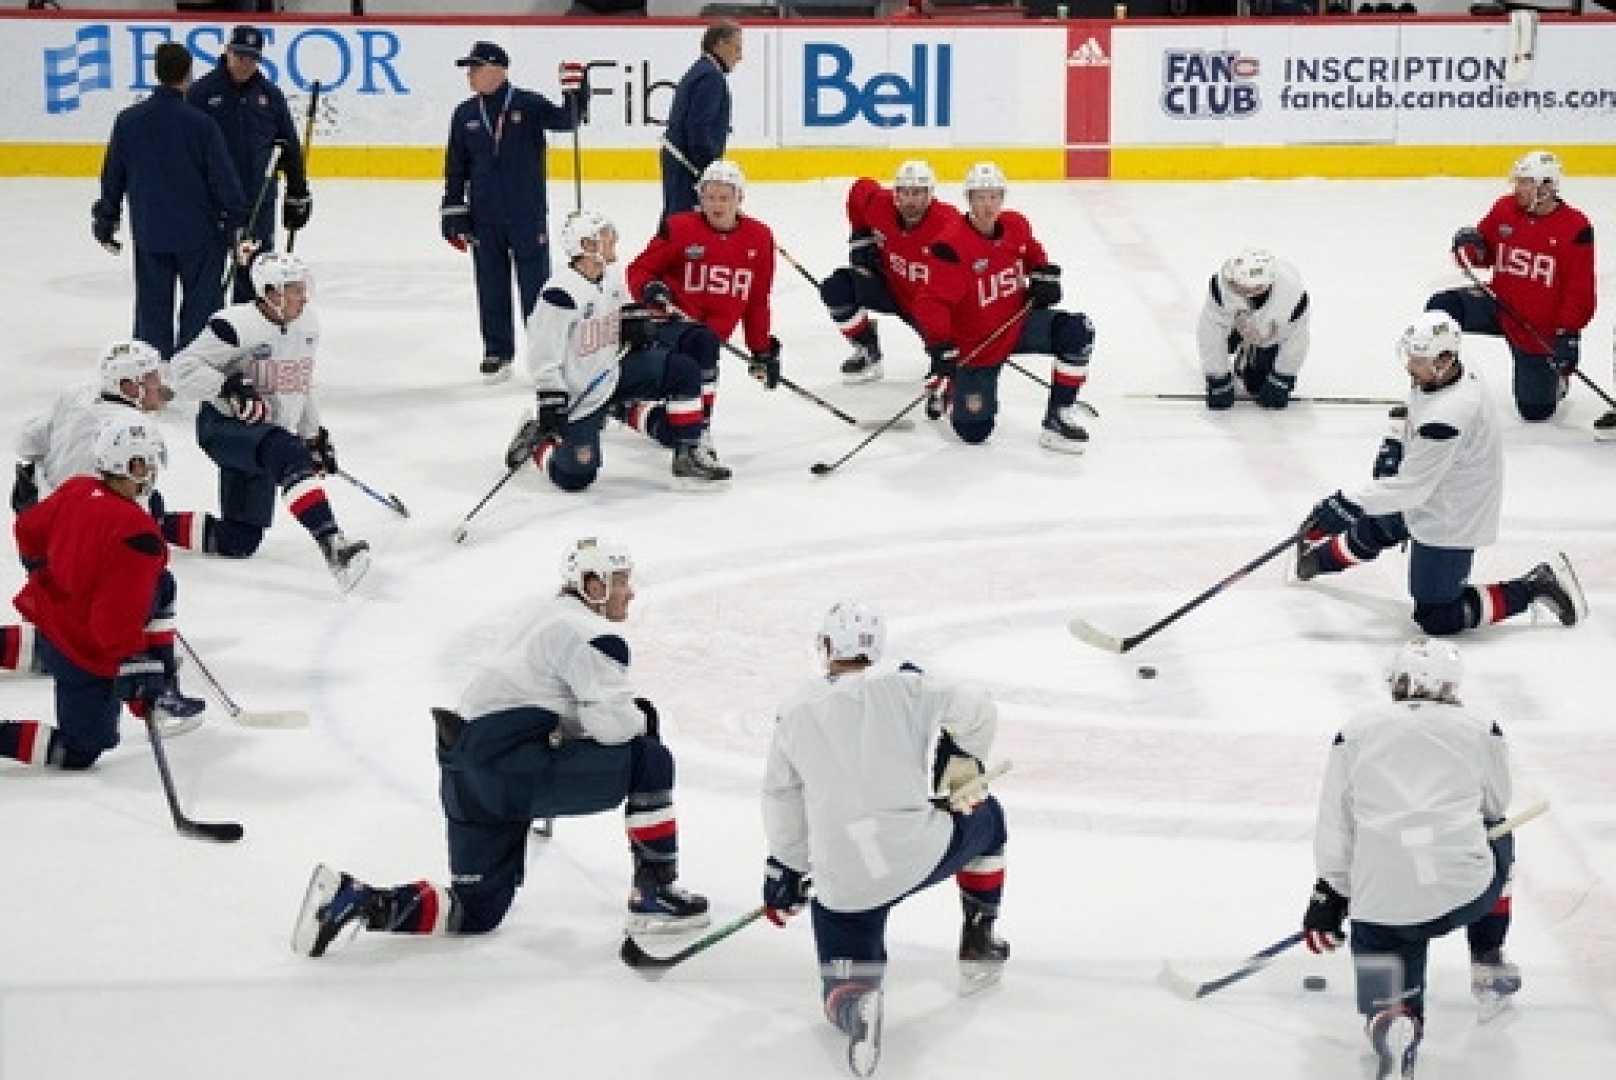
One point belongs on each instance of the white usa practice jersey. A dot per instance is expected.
(1450, 488)
(1281, 319)
(569, 660)
(572, 337)
(278, 360)
(847, 786)
(1401, 828)
(63, 440)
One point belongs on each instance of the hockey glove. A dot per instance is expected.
(323, 453)
(657, 296)
(242, 397)
(1326, 911)
(1220, 391)
(140, 678)
(785, 891)
(1470, 246)
(1389, 459)
(1275, 391)
(457, 228)
(25, 492)
(1335, 514)
(552, 414)
(1567, 350)
(944, 361)
(105, 231)
(296, 208)
(863, 253)
(765, 366)
(1043, 286)
(653, 723)
(635, 329)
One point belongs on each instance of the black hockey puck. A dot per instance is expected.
(1146, 671)
(1314, 982)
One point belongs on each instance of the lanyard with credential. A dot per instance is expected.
(497, 128)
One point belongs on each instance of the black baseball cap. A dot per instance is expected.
(484, 52)
(247, 40)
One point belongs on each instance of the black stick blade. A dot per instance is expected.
(642, 961)
(819, 468)
(221, 832)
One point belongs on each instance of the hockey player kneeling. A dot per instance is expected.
(1409, 794)
(548, 728)
(1438, 482)
(845, 799)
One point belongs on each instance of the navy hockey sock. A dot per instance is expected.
(30, 742)
(1066, 376)
(653, 830)
(305, 497)
(17, 648)
(188, 530)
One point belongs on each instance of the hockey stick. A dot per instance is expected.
(391, 501)
(1041, 381)
(222, 832)
(1306, 399)
(577, 149)
(1548, 349)
(695, 174)
(286, 718)
(1190, 990)
(820, 468)
(308, 144)
(248, 235)
(1087, 633)
(1522, 46)
(653, 966)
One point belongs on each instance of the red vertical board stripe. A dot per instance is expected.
(1088, 99)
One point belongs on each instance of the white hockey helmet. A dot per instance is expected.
(276, 270)
(1541, 166)
(582, 225)
(985, 176)
(1250, 273)
(593, 556)
(1425, 668)
(916, 173)
(851, 631)
(122, 441)
(1431, 334)
(129, 359)
(723, 171)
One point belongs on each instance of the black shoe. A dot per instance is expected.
(982, 954)
(1220, 391)
(694, 468)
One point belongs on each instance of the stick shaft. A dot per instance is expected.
(1234, 578)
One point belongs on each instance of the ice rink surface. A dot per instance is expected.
(1150, 819)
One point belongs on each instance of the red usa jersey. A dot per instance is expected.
(904, 265)
(718, 278)
(1543, 267)
(978, 283)
(97, 557)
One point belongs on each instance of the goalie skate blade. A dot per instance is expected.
(275, 720)
(1178, 984)
(1089, 634)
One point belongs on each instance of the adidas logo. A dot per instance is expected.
(1088, 54)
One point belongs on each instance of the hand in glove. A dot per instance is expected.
(1043, 286)
(635, 327)
(552, 414)
(1220, 391)
(764, 366)
(944, 361)
(1326, 911)
(139, 678)
(863, 253)
(1335, 514)
(1469, 245)
(297, 207)
(785, 891)
(457, 228)
(1275, 391)
(323, 453)
(105, 231)
(25, 492)
(244, 399)
(658, 297)
(1567, 351)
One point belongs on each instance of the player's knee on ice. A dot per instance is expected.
(573, 466)
(1442, 620)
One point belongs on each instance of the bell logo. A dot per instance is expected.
(887, 99)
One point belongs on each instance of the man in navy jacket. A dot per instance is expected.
(171, 161)
(494, 195)
(698, 121)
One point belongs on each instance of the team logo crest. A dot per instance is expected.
(979, 265)
(973, 403)
(585, 455)
(1505, 230)
(694, 252)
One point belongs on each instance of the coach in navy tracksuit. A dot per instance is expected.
(184, 198)
(698, 121)
(251, 112)
(496, 146)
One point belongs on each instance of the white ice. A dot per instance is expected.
(1150, 819)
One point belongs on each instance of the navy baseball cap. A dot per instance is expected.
(484, 52)
(247, 40)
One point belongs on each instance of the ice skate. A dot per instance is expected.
(175, 713)
(523, 440)
(1062, 433)
(495, 369)
(1554, 586)
(1395, 1035)
(982, 955)
(863, 1027)
(348, 560)
(334, 904)
(1493, 980)
(1605, 427)
(863, 366)
(664, 908)
(695, 470)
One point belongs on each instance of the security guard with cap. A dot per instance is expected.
(252, 113)
(494, 189)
